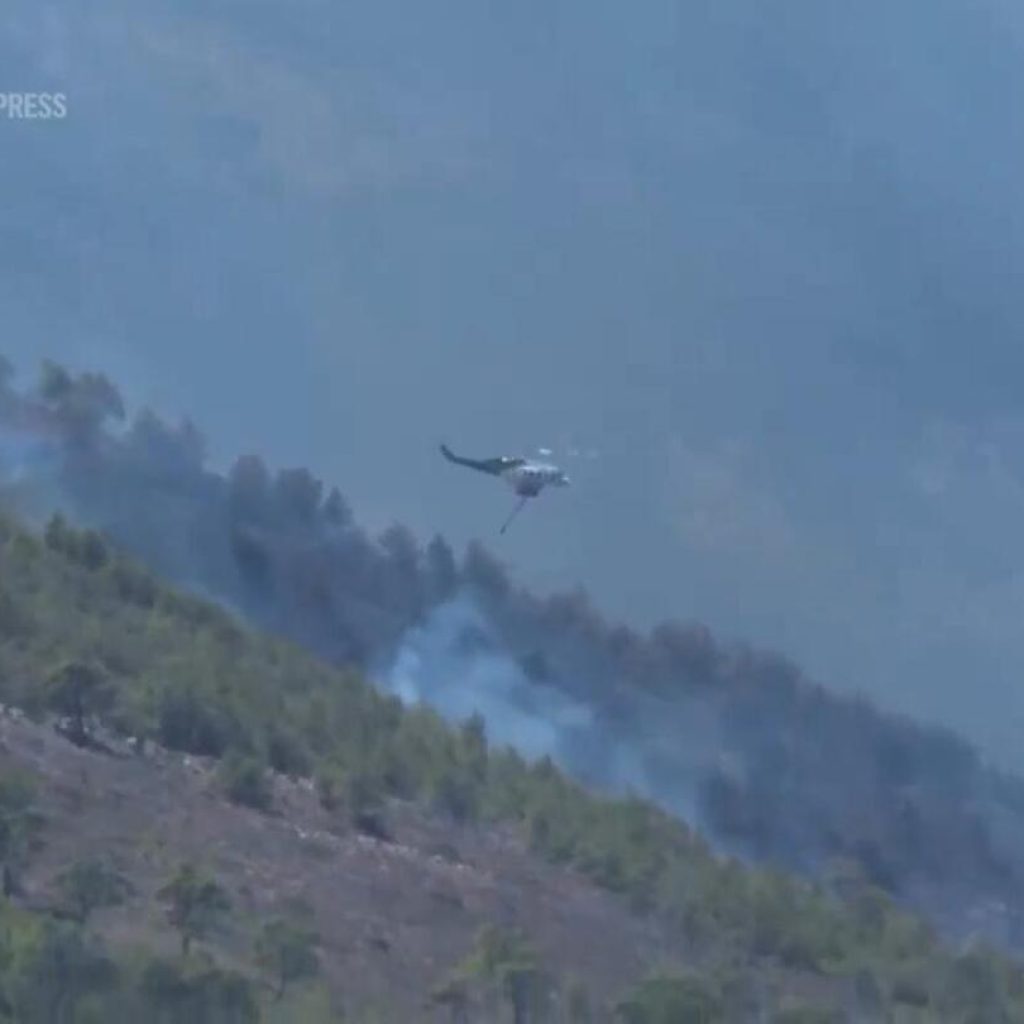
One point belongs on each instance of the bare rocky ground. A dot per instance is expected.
(394, 916)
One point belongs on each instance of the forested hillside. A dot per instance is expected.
(224, 828)
(768, 764)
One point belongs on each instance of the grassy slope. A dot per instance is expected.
(189, 677)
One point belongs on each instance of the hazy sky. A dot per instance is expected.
(765, 259)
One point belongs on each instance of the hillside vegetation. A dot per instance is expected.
(89, 635)
(772, 765)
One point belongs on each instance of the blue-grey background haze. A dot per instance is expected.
(765, 260)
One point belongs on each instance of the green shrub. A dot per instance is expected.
(178, 993)
(671, 999)
(195, 905)
(809, 1015)
(245, 781)
(191, 722)
(89, 885)
(287, 952)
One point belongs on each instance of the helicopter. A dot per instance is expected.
(526, 477)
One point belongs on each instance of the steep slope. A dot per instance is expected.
(402, 836)
(770, 765)
(393, 916)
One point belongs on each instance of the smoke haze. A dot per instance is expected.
(729, 737)
(767, 262)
